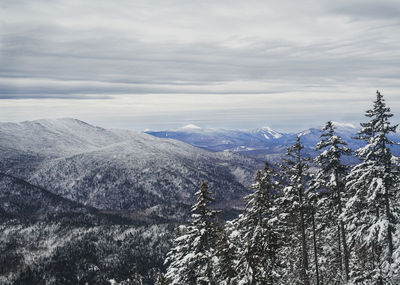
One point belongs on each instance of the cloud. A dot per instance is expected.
(368, 9)
(111, 50)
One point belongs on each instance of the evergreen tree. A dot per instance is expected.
(395, 268)
(292, 216)
(257, 261)
(181, 260)
(329, 188)
(225, 269)
(191, 258)
(160, 280)
(137, 280)
(311, 209)
(371, 211)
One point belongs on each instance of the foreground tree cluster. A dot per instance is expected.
(306, 221)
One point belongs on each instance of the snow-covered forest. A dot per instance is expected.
(307, 221)
(176, 142)
(81, 204)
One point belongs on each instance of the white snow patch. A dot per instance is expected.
(271, 132)
(304, 133)
(343, 125)
(190, 127)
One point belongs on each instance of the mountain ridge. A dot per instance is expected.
(117, 169)
(262, 143)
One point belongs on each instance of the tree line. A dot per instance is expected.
(307, 221)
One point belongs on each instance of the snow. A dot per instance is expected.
(272, 132)
(268, 131)
(190, 127)
(117, 163)
(307, 132)
(262, 140)
(343, 125)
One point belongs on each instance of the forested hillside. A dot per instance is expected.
(338, 225)
(85, 205)
(117, 169)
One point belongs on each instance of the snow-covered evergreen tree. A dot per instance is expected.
(292, 217)
(160, 280)
(225, 267)
(137, 280)
(371, 211)
(181, 259)
(395, 268)
(329, 190)
(191, 259)
(258, 255)
(311, 207)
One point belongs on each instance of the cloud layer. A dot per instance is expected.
(257, 58)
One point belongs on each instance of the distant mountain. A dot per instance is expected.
(221, 139)
(125, 170)
(261, 143)
(118, 169)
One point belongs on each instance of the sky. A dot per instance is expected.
(227, 64)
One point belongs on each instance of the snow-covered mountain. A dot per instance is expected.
(19, 198)
(117, 169)
(267, 133)
(58, 137)
(121, 169)
(221, 139)
(264, 142)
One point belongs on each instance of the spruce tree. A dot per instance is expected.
(258, 255)
(137, 280)
(292, 216)
(311, 207)
(371, 211)
(191, 258)
(180, 259)
(225, 267)
(395, 268)
(160, 280)
(329, 189)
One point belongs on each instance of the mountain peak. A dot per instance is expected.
(266, 128)
(343, 125)
(269, 133)
(56, 122)
(190, 127)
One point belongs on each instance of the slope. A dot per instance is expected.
(19, 198)
(117, 169)
(261, 143)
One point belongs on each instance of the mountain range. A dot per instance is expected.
(76, 197)
(261, 143)
(118, 169)
(147, 173)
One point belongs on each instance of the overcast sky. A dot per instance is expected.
(232, 64)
